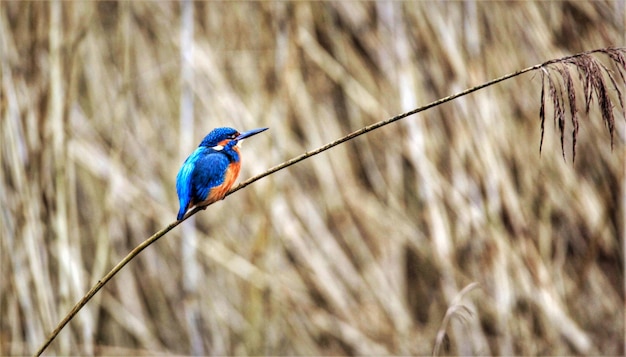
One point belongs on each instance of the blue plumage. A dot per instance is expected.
(211, 169)
(203, 169)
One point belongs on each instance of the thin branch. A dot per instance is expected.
(79, 305)
(291, 162)
(367, 129)
(542, 107)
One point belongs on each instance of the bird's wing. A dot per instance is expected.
(209, 172)
(183, 181)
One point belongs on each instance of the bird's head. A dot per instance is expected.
(221, 138)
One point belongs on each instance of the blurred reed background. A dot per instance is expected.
(360, 250)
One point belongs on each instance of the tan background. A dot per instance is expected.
(360, 250)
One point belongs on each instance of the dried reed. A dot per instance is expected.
(361, 250)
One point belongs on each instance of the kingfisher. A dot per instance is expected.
(210, 171)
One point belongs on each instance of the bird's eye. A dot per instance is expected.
(232, 136)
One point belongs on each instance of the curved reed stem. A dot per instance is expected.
(85, 299)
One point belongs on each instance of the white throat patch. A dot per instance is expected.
(218, 148)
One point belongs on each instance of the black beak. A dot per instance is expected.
(249, 133)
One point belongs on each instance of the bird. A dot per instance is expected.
(210, 171)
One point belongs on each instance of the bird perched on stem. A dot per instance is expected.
(210, 171)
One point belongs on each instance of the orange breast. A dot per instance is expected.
(218, 192)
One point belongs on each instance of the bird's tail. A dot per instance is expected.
(181, 213)
(182, 210)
